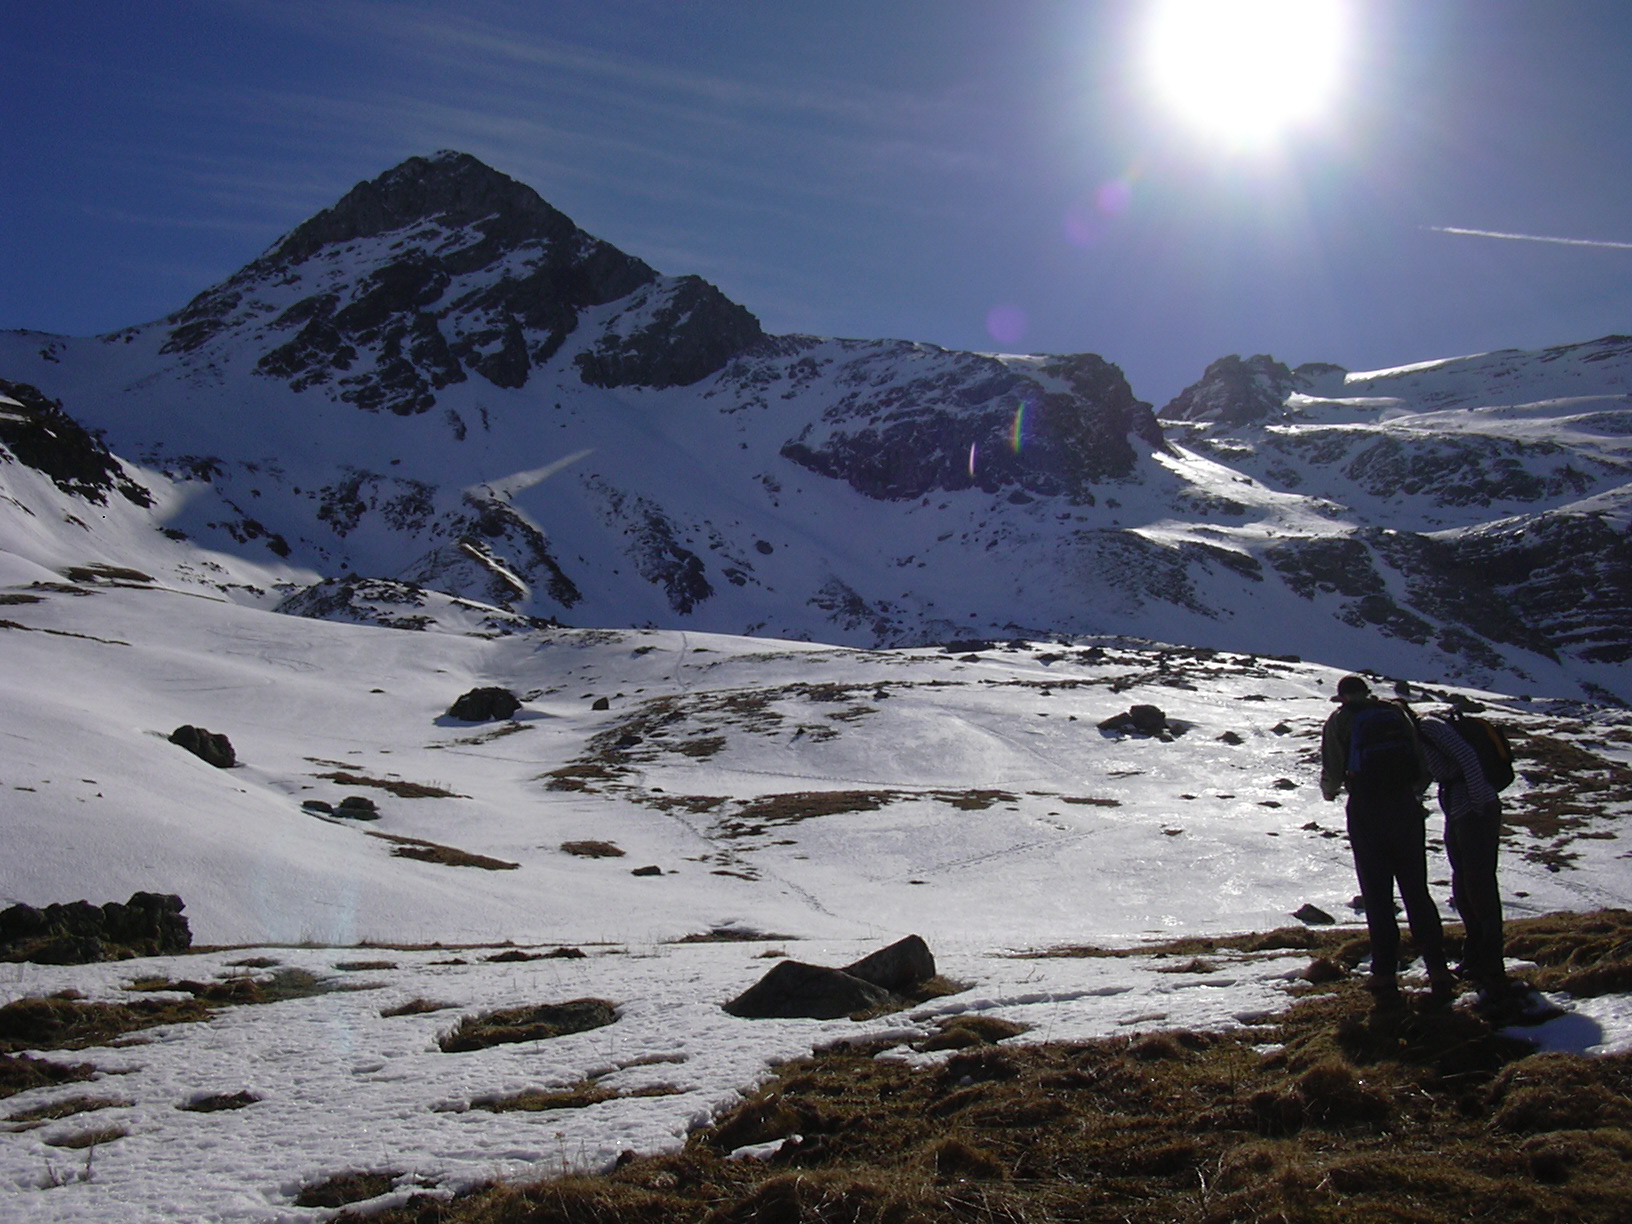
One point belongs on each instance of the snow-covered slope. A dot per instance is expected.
(812, 800)
(816, 801)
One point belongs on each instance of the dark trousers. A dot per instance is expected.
(1387, 832)
(1470, 843)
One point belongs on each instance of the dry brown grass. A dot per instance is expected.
(1570, 790)
(80, 1140)
(434, 852)
(218, 1102)
(591, 849)
(66, 1108)
(574, 1096)
(70, 1024)
(395, 786)
(416, 1007)
(537, 1022)
(341, 1189)
(19, 1073)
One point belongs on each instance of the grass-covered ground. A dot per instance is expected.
(1328, 1111)
(1337, 1113)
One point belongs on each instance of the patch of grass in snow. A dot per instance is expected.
(1571, 794)
(99, 572)
(591, 849)
(217, 1102)
(536, 1022)
(20, 1073)
(80, 1140)
(343, 1189)
(396, 786)
(574, 1096)
(71, 1024)
(434, 852)
(1329, 1113)
(244, 989)
(416, 1007)
(732, 935)
(486, 737)
(52, 1111)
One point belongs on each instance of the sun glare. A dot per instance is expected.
(1247, 71)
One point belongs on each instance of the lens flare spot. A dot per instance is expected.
(974, 451)
(1017, 431)
(1006, 324)
(1114, 197)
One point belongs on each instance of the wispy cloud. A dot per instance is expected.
(1578, 242)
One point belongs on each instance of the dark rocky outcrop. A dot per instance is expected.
(688, 330)
(797, 990)
(903, 965)
(79, 933)
(357, 807)
(937, 421)
(1138, 720)
(485, 705)
(40, 435)
(1237, 391)
(207, 746)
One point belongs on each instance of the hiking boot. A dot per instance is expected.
(1385, 994)
(1441, 987)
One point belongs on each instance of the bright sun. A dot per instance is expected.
(1247, 71)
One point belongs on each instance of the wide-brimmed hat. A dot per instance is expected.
(1352, 686)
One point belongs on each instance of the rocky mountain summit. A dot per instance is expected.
(441, 269)
(440, 404)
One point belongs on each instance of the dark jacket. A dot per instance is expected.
(1334, 747)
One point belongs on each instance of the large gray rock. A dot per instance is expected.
(485, 705)
(78, 933)
(207, 746)
(796, 990)
(900, 967)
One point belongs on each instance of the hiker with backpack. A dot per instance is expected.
(1464, 754)
(1370, 749)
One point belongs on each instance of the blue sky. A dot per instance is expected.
(978, 175)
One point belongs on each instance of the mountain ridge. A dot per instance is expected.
(442, 383)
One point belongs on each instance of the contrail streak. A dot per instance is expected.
(1584, 242)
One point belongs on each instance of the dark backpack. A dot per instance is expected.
(1490, 745)
(1382, 748)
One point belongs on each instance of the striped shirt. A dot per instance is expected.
(1463, 787)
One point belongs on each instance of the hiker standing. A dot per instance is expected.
(1370, 749)
(1473, 829)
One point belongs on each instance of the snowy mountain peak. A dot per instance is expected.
(449, 188)
(440, 269)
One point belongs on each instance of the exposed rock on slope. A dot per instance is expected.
(40, 435)
(912, 419)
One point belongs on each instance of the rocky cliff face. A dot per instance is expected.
(909, 420)
(39, 434)
(1237, 391)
